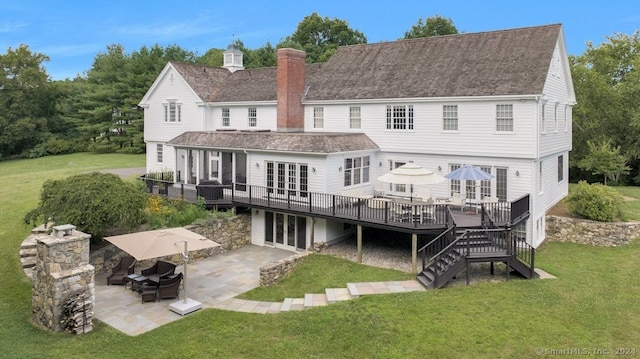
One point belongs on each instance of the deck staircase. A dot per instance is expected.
(453, 251)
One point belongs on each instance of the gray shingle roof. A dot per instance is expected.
(204, 80)
(506, 62)
(312, 142)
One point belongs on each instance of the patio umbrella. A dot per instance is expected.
(163, 242)
(411, 174)
(470, 173)
(158, 243)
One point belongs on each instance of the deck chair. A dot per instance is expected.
(458, 200)
(121, 270)
(170, 288)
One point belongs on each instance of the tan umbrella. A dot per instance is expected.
(161, 242)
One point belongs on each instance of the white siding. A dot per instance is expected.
(476, 128)
(556, 96)
(171, 86)
(239, 117)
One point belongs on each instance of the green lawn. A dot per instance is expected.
(593, 304)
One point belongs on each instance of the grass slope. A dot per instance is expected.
(593, 304)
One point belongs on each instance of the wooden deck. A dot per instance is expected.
(393, 214)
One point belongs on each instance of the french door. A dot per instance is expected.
(285, 231)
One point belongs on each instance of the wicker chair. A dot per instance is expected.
(157, 271)
(170, 288)
(121, 270)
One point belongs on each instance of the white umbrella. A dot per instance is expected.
(163, 242)
(411, 174)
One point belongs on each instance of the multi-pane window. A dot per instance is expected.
(159, 152)
(504, 118)
(253, 118)
(560, 168)
(540, 178)
(397, 187)
(501, 184)
(318, 117)
(543, 118)
(355, 120)
(287, 177)
(485, 185)
(555, 117)
(455, 184)
(400, 117)
(356, 170)
(226, 121)
(450, 117)
(172, 112)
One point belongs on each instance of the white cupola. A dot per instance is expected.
(233, 58)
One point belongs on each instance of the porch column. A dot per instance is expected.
(359, 239)
(198, 166)
(414, 252)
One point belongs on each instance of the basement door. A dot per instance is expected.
(285, 231)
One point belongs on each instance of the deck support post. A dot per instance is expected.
(359, 239)
(414, 252)
(313, 232)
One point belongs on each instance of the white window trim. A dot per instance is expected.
(252, 117)
(456, 119)
(159, 153)
(543, 118)
(512, 118)
(227, 117)
(166, 108)
(555, 116)
(355, 122)
(408, 122)
(318, 117)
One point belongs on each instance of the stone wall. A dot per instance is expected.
(62, 274)
(231, 233)
(272, 273)
(604, 234)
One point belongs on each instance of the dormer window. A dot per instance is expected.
(172, 111)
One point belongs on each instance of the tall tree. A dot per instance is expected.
(320, 37)
(26, 99)
(607, 86)
(432, 26)
(116, 82)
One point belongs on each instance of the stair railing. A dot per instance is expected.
(427, 252)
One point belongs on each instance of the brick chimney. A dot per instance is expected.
(291, 82)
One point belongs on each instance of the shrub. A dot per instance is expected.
(595, 201)
(95, 203)
(173, 213)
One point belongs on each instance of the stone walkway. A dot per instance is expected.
(215, 282)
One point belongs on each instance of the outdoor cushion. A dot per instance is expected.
(121, 270)
(159, 270)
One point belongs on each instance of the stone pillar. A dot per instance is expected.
(63, 281)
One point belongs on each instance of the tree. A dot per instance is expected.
(26, 99)
(320, 37)
(607, 86)
(108, 113)
(105, 203)
(604, 159)
(431, 26)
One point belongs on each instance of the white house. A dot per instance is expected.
(499, 100)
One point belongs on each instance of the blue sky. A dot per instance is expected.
(73, 32)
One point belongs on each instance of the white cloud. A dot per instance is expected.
(9, 27)
(170, 31)
(71, 50)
